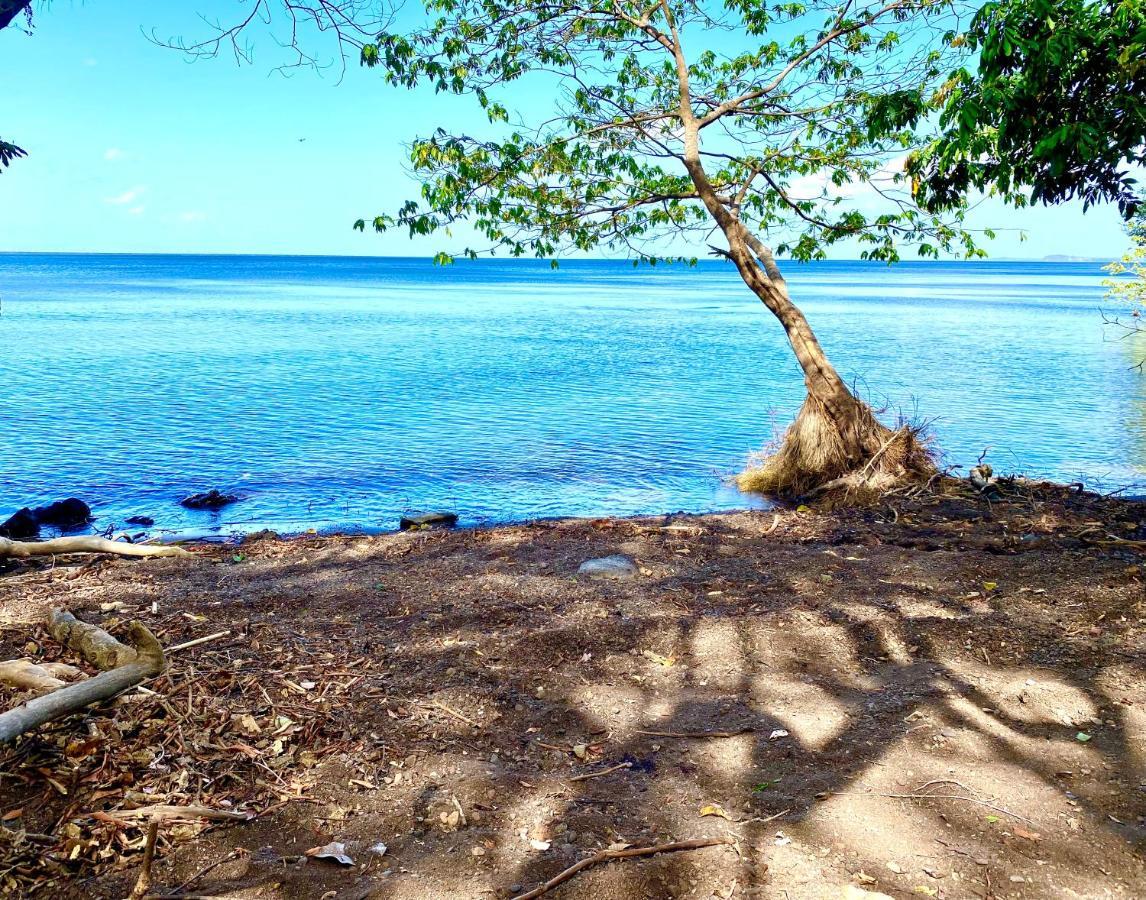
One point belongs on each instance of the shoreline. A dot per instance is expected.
(795, 669)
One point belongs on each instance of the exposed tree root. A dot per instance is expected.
(817, 455)
(85, 544)
(148, 661)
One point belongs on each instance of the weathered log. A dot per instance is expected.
(25, 675)
(85, 544)
(148, 662)
(92, 643)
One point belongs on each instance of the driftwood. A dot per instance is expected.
(92, 643)
(147, 661)
(27, 676)
(85, 544)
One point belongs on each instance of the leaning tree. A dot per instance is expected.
(773, 130)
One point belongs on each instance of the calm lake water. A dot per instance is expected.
(340, 392)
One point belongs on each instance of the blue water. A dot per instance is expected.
(340, 392)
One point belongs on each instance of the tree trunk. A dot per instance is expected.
(836, 439)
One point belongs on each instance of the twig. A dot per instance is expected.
(198, 641)
(697, 734)
(143, 882)
(453, 712)
(985, 803)
(588, 775)
(775, 522)
(190, 881)
(606, 855)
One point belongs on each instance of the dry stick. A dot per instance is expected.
(195, 643)
(205, 870)
(165, 811)
(606, 855)
(697, 734)
(149, 661)
(143, 882)
(588, 775)
(85, 544)
(453, 712)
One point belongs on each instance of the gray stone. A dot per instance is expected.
(616, 566)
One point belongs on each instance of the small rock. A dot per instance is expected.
(145, 521)
(212, 499)
(616, 566)
(895, 867)
(428, 520)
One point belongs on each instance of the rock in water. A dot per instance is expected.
(617, 566)
(145, 521)
(21, 526)
(212, 499)
(69, 513)
(428, 520)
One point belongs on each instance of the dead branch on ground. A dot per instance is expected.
(86, 543)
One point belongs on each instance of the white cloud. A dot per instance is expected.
(112, 153)
(137, 210)
(126, 197)
(192, 215)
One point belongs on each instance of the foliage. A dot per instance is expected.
(1128, 287)
(9, 152)
(1057, 106)
(786, 120)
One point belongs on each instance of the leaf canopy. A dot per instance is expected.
(670, 119)
(1056, 106)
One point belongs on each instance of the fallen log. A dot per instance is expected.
(85, 544)
(147, 662)
(25, 675)
(92, 643)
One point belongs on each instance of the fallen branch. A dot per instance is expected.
(90, 641)
(166, 811)
(588, 775)
(606, 855)
(697, 734)
(195, 643)
(27, 676)
(85, 544)
(148, 661)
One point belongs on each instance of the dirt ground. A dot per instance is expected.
(942, 699)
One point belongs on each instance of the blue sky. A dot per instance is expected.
(135, 149)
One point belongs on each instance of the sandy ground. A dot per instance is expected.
(440, 692)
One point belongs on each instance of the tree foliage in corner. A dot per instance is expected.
(1128, 286)
(772, 128)
(1056, 106)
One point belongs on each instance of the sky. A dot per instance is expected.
(133, 148)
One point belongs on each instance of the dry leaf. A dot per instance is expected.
(1029, 835)
(714, 809)
(539, 845)
(334, 850)
(657, 658)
